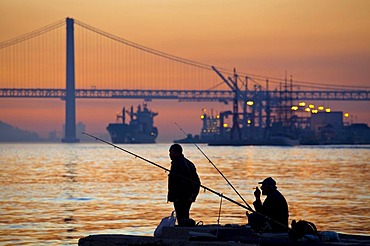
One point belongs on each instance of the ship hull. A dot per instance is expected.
(123, 133)
(283, 141)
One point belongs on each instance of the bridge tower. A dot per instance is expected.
(70, 98)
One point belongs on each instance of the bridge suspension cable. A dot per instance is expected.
(260, 80)
(33, 34)
(144, 48)
(255, 77)
(171, 68)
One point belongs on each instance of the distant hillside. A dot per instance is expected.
(10, 133)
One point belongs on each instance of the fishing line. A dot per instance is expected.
(249, 207)
(179, 175)
(219, 212)
(167, 170)
(209, 160)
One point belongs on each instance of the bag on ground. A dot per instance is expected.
(165, 222)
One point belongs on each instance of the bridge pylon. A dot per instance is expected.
(70, 98)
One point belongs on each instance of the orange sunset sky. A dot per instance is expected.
(323, 41)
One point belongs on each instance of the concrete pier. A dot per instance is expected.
(214, 235)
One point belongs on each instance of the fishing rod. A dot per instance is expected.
(209, 160)
(249, 207)
(179, 175)
(168, 170)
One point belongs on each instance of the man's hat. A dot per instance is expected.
(268, 181)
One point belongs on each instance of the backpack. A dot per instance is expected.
(303, 230)
(194, 178)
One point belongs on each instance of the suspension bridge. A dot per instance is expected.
(70, 59)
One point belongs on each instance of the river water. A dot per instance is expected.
(54, 194)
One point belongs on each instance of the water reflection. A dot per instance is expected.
(56, 194)
(69, 190)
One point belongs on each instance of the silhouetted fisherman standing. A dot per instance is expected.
(183, 185)
(274, 209)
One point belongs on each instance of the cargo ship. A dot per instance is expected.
(139, 129)
(209, 132)
(319, 128)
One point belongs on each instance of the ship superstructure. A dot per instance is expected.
(140, 128)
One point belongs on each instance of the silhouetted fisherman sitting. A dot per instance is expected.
(273, 214)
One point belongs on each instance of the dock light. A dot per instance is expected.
(225, 125)
(320, 108)
(314, 111)
(250, 103)
(307, 109)
(294, 108)
(302, 104)
(311, 106)
(346, 115)
(327, 110)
